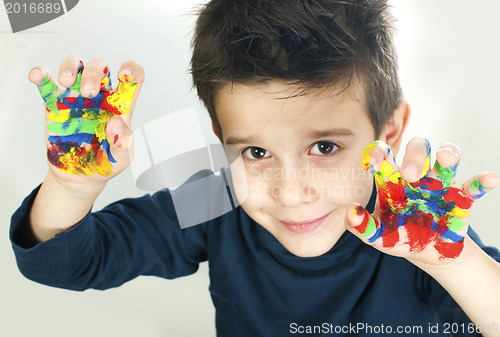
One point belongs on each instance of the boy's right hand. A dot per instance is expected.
(88, 134)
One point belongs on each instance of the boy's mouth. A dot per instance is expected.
(303, 227)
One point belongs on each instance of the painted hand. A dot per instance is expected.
(88, 126)
(421, 214)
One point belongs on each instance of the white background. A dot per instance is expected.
(448, 65)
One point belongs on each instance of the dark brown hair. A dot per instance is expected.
(310, 43)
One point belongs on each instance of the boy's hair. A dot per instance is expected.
(309, 43)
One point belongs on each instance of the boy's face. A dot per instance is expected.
(301, 158)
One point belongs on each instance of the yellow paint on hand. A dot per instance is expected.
(71, 162)
(61, 116)
(426, 166)
(122, 99)
(456, 211)
(365, 162)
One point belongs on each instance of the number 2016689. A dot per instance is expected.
(33, 8)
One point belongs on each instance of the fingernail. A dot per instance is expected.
(89, 86)
(127, 72)
(34, 71)
(66, 73)
(359, 210)
(37, 73)
(126, 75)
(448, 148)
(412, 170)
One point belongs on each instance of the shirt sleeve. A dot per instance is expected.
(131, 237)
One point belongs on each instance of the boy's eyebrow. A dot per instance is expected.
(309, 134)
(239, 140)
(329, 133)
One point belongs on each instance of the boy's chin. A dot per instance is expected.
(311, 249)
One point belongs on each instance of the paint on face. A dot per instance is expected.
(79, 144)
(431, 210)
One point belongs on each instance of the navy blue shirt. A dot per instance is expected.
(257, 286)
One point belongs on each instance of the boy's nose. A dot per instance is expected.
(293, 188)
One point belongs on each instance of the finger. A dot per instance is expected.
(362, 224)
(132, 70)
(130, 76)
(46, 86)
(92, 77)
(106, 84)
(69, 70)
(378, 158)
(476, 187)
(119, 143)
(416, 162)
(445, 167)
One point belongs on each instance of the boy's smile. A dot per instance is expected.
(302, 158)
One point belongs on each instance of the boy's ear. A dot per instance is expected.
(392, 133)
(214, 128)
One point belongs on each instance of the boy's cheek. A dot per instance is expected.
(250, 193)
(346, 185)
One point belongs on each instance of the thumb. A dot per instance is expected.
(121, 140)
(362, 224)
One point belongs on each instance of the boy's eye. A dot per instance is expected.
(324, 148)
(255, 153)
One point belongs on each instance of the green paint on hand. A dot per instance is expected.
(78, 82)
(446, 174)
(47, 90)
(76, 126)
(476, 186)
(370, 228)
(456, 224)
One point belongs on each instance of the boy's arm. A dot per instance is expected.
(128, 238)
(88, 139)
(424, 217)
(58, 206)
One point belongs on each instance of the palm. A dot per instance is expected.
(427, 219)
(76, 137)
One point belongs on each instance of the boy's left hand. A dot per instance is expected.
(421, 214)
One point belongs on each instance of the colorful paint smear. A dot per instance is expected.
(79, 144)
(431, 210)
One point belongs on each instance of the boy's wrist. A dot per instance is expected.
(472, 280)
(79, 190)
(59, 205)
(470, 259)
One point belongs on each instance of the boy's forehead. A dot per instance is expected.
(251, 109)
(236, 100)
(282, 90)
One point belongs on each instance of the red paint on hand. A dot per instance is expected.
(459, 198)
(361, 228)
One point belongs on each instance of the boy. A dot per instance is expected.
(299, 88)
